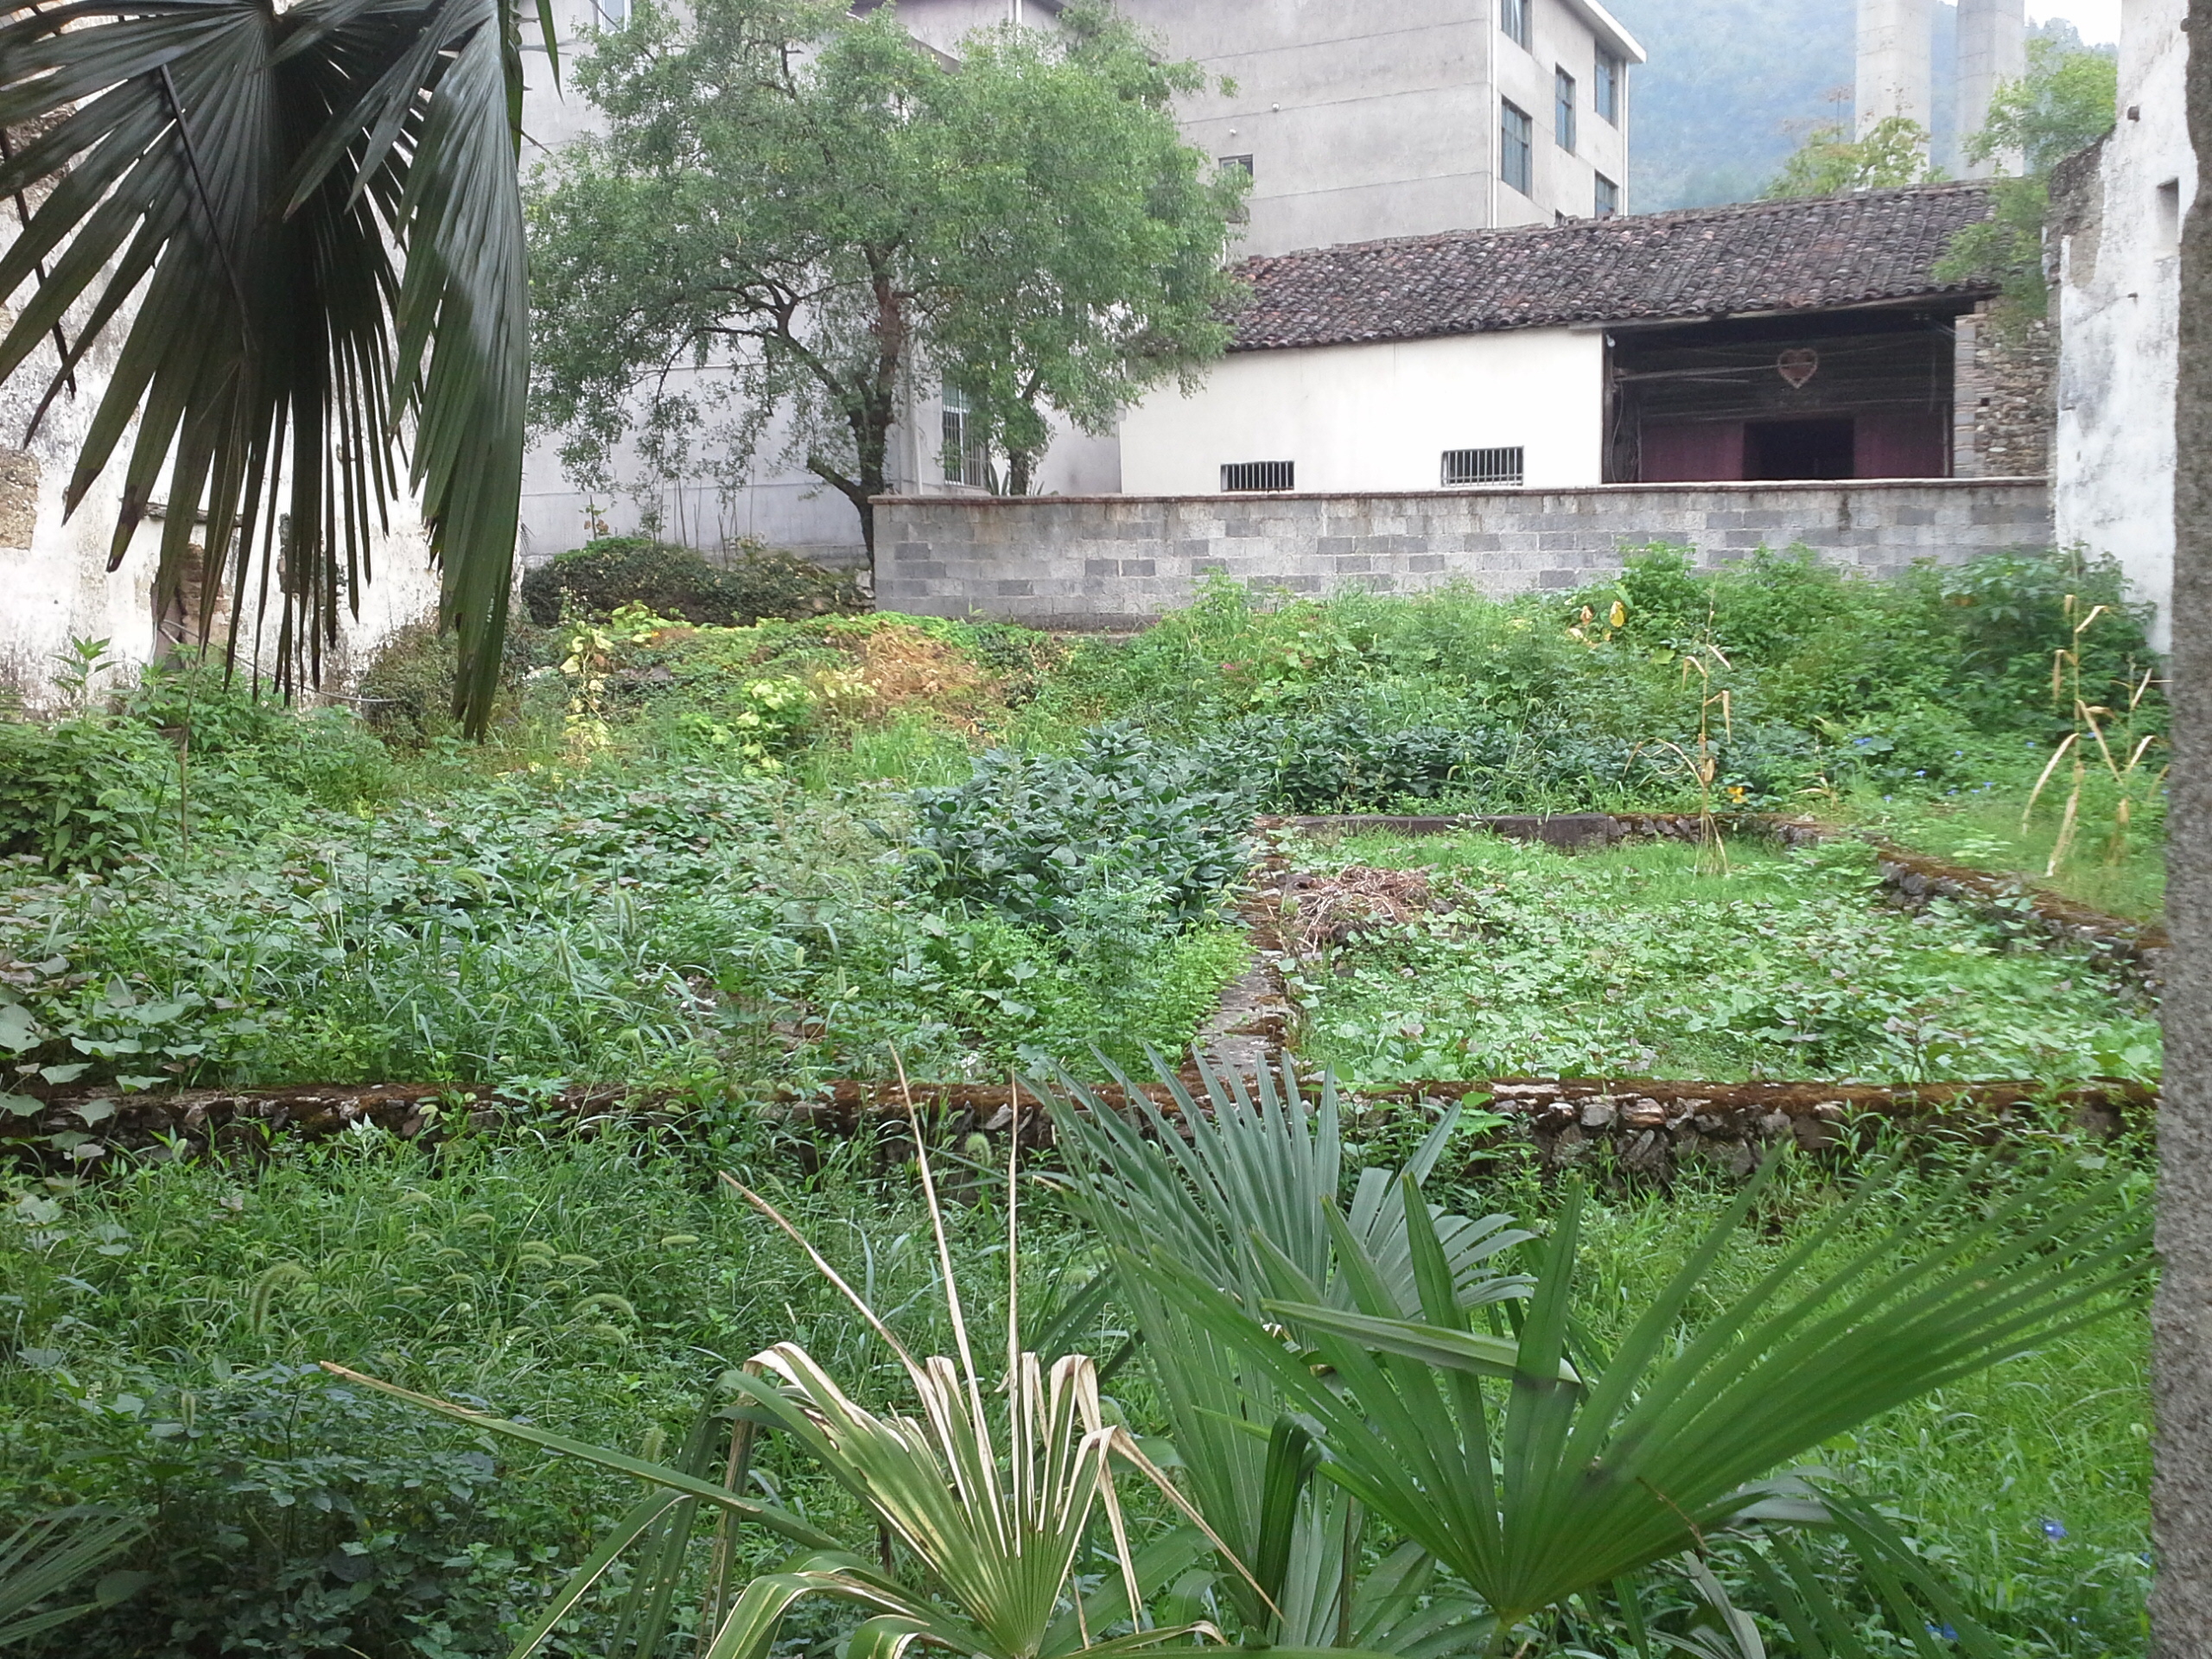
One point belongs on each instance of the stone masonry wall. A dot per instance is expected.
(1108, 562)
(2007, 400)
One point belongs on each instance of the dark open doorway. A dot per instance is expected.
(1822, 449)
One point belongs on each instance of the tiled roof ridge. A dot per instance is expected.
(1724, 210)
(1792, 254)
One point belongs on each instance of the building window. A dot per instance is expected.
(1609, 198)
(1513, 20)
(1240, 164)
(1605, 93)
(963, 458)
(1515, 146)
(610, 14)
(1463, 466)
(1242, 477)
(1563, 110)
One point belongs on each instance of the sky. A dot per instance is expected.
(2097, 19)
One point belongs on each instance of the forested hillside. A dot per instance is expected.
(1733, 85)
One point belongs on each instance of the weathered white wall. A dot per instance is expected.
(2119, 289)
(1379, 418)
(53, 573)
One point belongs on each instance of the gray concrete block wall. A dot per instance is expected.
(1105, 561)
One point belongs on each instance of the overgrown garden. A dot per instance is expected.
(707, 870)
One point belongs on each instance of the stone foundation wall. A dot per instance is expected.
(1107, 561)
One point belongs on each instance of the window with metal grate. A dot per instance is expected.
(1241, 476)
(1483, 466)
(963, 459)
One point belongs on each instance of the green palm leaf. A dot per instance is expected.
(1565, 1485)
(317, 209)
(1240, 1190)
(44, 1556)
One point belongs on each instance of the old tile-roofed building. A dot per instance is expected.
(1757, 257)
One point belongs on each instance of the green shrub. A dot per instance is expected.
(406, 691)
(78, 793)
(756, 726)
(602, 577)
(300, 1518)
(1030, 835)
(2009, 615)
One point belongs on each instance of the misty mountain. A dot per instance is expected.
(1733, 85)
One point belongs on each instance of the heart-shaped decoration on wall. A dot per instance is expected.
(1797, 366)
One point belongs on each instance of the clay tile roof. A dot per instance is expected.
(1762, 255)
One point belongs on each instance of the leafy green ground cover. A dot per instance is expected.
(159, 1329)
(1651, 960)
(710, 862)
(749, 856)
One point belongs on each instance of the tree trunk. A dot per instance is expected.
(2181, 1601)
(1018, 463)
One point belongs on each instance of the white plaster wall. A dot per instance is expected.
(1379, 417)
(54, 583)
(2119, 312)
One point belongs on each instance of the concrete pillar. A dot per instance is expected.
(1895, 47)
(1993, 49)
(2181, 1486)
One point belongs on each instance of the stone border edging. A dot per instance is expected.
(1650, 1125)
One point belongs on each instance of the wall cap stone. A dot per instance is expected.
(1786, 486)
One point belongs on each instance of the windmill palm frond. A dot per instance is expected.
(305, 226)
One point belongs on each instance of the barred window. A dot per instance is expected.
(1515, 146)
(1463, 466)
(963, 460)
(1240, 477)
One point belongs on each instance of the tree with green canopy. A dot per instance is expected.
(793, 211)
(2065, 103)
(316, 211)
(1891, 153)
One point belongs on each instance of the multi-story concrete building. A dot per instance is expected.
(1357, 121)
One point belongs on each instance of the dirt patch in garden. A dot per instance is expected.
(902, 667)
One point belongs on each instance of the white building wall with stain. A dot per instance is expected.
(2119, 306)
(1380, 417)
(54, 583)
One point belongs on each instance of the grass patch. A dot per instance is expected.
(159, 1326)
(1647, 960)
(2123, 875)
